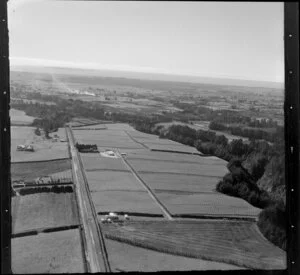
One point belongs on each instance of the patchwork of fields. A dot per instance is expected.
(183, 183)
(233, 242)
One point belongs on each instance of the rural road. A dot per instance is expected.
(95, 251)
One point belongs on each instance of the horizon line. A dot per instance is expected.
(49, 63)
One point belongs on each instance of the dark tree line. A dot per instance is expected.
(252, 133)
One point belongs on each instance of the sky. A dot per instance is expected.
(237, 40)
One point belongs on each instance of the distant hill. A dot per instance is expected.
(273, 86)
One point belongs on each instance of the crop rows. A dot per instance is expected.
(43, 210)
(207, 204)
(96, 162)
(234, 243)
(184, 168)
(124, 201)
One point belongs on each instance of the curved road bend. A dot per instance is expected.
(95, 251)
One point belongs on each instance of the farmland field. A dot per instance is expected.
(125, 201)
(29, 171)
(94, 161)
(201, 169)
(18, 117)
(210, 204)
(66, 174)
(43, 210)
(104, 138)
(56, 252)
(125, 257)
(174, 157)
(173, 182)
(44, 149)
(78, 121)
(233, 242)
(113, 180)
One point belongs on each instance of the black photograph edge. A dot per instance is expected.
(291, 125)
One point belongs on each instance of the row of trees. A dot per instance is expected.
(91, 148)
(46, 189)
(251, 133)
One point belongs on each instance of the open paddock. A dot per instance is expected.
(43, 210)
(127, 258)
(200, 169)
(44, 149)
(55, 252)
(66, 174)
(208, 204)
(18, 117)
(108, 141)
(93, 162)
(119, 126)
(81, 121)
(125, 201)
(140, 135)
(175, 157)
(29, 171)
(101, 134)
(113, 180)
(233, 242)
(179, 183)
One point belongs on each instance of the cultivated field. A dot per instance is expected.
(207, 204)
(126, 258)
(18, 117)
(29, 171)
(43, 210)
(125, 201)
(56, 252)
(113, 180)
(63, 175)
(233, 242)
(104, 138)
(153, 142)
(201, 169)
(180, 183)
(94, 162)
(45, 149)
(174, 157)
(78, 121)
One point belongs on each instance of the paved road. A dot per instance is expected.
(95, 251)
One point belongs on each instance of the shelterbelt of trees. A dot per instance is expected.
(256, 172)
(267, 130)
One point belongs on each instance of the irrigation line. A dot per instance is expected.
(165, 211)
(144, 145)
